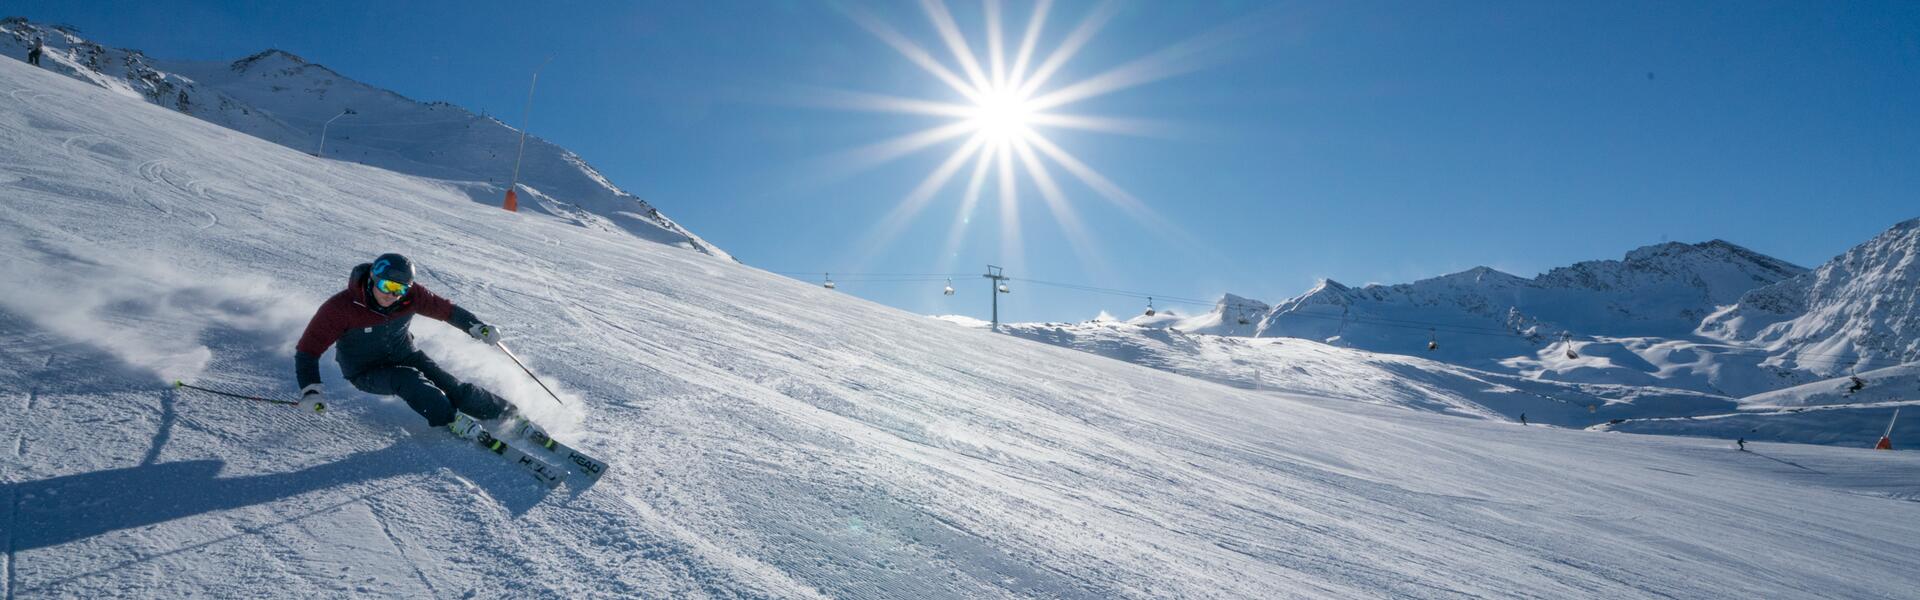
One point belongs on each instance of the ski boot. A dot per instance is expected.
(465, 427)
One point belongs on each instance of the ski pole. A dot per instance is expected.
(536, 378)
(179, 384)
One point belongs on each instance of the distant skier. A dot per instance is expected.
(369, 320)
(1855, 384)
(33, 55)
(1743, 444)
(1523, 418)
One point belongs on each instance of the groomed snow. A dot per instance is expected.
(769, 438)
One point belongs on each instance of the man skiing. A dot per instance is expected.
(369, 321)
(33, 55)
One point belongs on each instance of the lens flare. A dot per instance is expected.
(1003, 106)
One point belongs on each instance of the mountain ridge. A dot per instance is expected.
(279, 96)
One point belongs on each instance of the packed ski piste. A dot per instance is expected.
(368, 325)
(174, 243)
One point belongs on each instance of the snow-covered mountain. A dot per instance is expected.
(1627, 321)
(1711, 317)
(812, 445)
(1661, 291)
(1232, 315)
(1859, 311)
(1823, 412)
(279, 97)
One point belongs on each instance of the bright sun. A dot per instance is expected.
(1002, 116)
(1005, 102)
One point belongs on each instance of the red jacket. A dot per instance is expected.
(368, 335)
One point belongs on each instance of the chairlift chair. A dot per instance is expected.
(1149, 306)
(1433, 340)
(1566, 339)
(949, 290)
(829, 283)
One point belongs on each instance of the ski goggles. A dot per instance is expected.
(391, 287)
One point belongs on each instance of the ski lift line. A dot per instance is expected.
(857, 277)
(1401, 323)
(412, 123)
(383, 123)
(1440, 327)
(811, 273)
(1448, 328)
(1383, 321)
(1831, 358)
(1256, 308)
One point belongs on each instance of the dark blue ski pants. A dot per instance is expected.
(430, 391)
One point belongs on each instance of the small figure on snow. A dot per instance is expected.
(33, 55)
(1523, 418)
(1855, 384)
(1743, 444)
(369, 321)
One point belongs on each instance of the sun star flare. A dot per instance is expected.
(1003, 104)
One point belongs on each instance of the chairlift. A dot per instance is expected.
(1149, 306)
(1856, 383)
(1566, 339)
(949, 290)
(1433, 340)
(829, 283)
(1004, 290)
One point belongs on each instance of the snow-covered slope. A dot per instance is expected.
(1859, 311)
(1838, 411)
(284, 99)
(1312, 368)
(1843, 417)
(769, 438)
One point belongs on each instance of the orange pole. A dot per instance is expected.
(1886, 439)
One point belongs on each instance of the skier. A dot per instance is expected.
(33, 55)
(369, 320)
(1743, 444)
(1855, 383)
(1523, 418)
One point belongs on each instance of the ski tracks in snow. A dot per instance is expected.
(164, 172)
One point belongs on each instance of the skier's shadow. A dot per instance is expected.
(59, 510)
(1784, 462)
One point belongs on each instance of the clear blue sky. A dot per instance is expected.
(1362, 141)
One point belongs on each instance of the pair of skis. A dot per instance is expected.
(519, 428)
(507, 445)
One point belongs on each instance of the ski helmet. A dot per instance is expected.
(392, 267)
